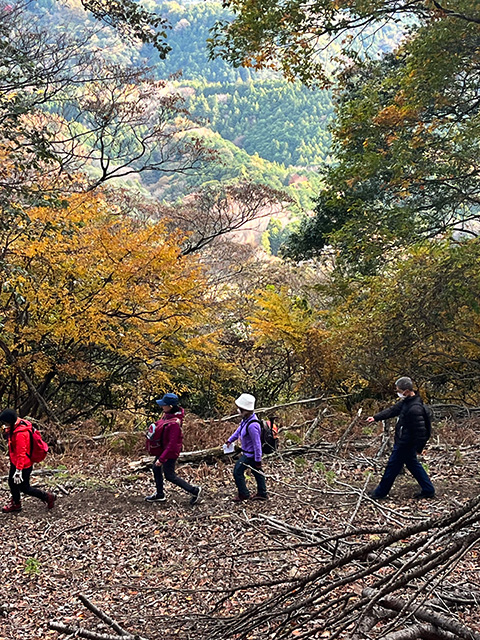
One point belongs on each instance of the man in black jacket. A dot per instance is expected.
(411, 434)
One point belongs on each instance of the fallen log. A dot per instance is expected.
(423, 631)
(202, 455)
(80, 632)
(216, 453)
(422, 613)
(41, 472)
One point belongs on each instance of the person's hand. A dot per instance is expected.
(257, 465)
(17, 477)
(370, 419)
(158, 463)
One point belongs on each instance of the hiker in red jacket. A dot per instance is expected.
(19, 444)
(164, 440)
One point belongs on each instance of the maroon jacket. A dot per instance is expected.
(172, 436)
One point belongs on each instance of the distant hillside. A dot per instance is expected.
(234, 165)
(279, 121)
(265, 129)
(261, 113)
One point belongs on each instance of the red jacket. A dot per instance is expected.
(172, 437)
(19, 444)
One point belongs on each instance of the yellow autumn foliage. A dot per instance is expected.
(88, 289)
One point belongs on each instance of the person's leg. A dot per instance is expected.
(419, 473)
(171, 476)
(239, 477)
(158, 476)
(158, 496)
(29, 490)
(259, 477)
(14, 488)
(393, 468)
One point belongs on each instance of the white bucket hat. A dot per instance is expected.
(246, 402)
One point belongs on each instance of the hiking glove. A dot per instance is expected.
(17, 476)
(257, 465)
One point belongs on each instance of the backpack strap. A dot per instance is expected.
(252, 421)
(428, 421)
(30, 432)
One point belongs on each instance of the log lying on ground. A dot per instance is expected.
(40, 472)
(196, 457)
(420, 632)
(216, 453)
(422, 613)
(80, 632)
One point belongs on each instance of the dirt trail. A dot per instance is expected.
(143, 563)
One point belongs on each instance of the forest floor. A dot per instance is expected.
(160, 570)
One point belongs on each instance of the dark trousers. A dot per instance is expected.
(239, 476)
(24, 486)
(168, 469)
(403, 455)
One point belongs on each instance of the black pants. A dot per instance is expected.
(24, 486)
(404, 455)
(168, 468)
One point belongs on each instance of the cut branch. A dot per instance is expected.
(103, 616)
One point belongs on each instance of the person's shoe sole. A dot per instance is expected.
(194, 499)
(150, 499)
(259, 498)
(240, 499)
(423, 496)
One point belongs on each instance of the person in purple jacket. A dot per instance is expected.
(249, 433)
(171, 444)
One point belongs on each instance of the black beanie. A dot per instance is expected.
(8, 416)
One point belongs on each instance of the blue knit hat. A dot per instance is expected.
(169, 399)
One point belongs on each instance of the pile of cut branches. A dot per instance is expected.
(368, 585)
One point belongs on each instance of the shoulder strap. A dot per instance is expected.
(252, 421)
(428, 421)
(30, 432)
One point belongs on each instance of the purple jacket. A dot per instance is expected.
(251, 442)
(172, 436)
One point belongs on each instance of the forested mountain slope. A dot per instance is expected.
(264, 128)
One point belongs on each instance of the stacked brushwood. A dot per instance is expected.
(367, 584)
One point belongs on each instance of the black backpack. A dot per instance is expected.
(268, 435)
(428, 414)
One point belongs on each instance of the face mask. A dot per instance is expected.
(400, 394)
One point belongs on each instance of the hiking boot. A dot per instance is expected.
(240, 498)
(50, 500)
(421, 495)
(375, 496)
(156, 497)
(11, 507)
(196, 496)
(259, 496)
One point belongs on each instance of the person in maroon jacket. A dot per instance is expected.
(19, 449)
(169, 445)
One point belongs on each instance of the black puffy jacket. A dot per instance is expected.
(413, 425)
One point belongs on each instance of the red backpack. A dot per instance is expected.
(154, 438)
(38, 447)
